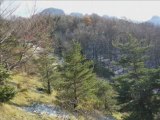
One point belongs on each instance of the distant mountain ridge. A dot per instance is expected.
(76, 14)
(53, 11)
(155, 20)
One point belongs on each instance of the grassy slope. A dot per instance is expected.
(26, 95)
(10, 112)
(27, 90)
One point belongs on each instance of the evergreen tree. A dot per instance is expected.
(6, 92)
(46, 63)
(136, 86)
(106, 97)
(102, 71)
(76, 88)
(47, 69)
(4, 75)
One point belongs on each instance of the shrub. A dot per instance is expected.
(4, 74)
(6, 93)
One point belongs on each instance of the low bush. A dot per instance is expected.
(6, 93)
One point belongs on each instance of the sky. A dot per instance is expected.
(133, 10)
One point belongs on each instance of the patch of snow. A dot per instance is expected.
(50, 110)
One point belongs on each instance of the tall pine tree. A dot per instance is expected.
(46, 64)
(78, 80)
(136, 86)
(47, 69)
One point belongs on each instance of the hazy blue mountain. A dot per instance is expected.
(109, 17)
(53, 11)
(76, 14)
(105, 16)
(155, 20)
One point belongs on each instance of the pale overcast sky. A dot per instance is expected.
(134, 10)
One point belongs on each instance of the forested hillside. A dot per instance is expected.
(84, 67)
(97, 34)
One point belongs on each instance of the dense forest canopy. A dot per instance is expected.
(96, 35)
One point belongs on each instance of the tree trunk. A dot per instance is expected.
(48, 87)
(75, 95)
(48, 83)
(75, 103)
